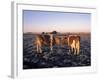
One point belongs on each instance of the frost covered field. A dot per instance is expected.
(60, 57)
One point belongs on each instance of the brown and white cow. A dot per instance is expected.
(74, 43)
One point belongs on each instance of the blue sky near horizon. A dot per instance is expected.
(46, 21)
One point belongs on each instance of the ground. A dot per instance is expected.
(59, 57)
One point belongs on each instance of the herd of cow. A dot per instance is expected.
(72, 41)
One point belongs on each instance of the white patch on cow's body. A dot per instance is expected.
(73, 44)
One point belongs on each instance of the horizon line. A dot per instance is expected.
(58, 32)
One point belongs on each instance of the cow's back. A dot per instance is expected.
(77, 39)
(72, 38)
(46, 38)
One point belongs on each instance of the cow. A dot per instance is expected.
(42, 40)
(46, 39)
(64, 41)
(73, 42)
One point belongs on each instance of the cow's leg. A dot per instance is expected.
(70, 49)
(51, 42)
(37, 47)
(40, 47)
(78, 50)
(69, 45)
(73, 47)
(51, 46)
(39, 44)
(78, 47)
(75, 51)
(40, 50)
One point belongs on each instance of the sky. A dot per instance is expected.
(46, 21)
